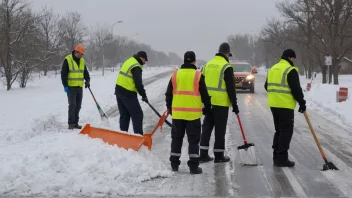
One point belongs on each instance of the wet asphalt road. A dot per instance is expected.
(234, 180)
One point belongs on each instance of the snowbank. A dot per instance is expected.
(322, 98)
(68, 164)
(40, 157)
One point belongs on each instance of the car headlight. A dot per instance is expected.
(250, 77)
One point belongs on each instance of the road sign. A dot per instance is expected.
(328, 60)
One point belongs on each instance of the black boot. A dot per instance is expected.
(174, 167)
(78, 126)
(197, 170)
(71, 126)
(221, 158)
(286, 163)
(204, 156)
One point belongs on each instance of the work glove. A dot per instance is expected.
(302, 108)
(87, 84)
(66, 89)
(145, 99)
(169, 111)
(206, 110)
(235, 108)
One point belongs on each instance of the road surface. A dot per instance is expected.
(234, 180)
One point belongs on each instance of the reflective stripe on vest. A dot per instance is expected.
(218, 88)
(75, 76)
(279, 92)
(194, 92)
(282, 84)
(186, 101)
(214, 72)
(125, 77)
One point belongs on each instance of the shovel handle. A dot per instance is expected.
(315, 137)
(242, 131)
(93, 97)
(157, 113)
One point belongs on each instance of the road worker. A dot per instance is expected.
(73, 74)
(220, 82)
(284, 90)
(128, 84)
(185, 96)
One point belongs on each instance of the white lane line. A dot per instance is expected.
(294, 183)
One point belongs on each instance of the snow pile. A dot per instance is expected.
(322, 98)
(40, 157)
(70, 164)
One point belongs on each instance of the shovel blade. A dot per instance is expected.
(247, 154)
(329, 166)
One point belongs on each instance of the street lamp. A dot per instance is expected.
(112, 26)
(112, 34)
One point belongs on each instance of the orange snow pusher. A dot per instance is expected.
(124, 140)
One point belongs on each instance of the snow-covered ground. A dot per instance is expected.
(39, 155)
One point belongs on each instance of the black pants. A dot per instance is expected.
(218, 118)
(75, 96)
(283, 121)
(193, 130)
(129, 107)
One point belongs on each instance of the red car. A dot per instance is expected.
(244, 75)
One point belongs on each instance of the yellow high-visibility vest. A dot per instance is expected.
(125, 78)
(279, 92)
(186, 101)
(75, 73)
(214, 79)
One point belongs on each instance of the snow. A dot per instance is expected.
(39, 155)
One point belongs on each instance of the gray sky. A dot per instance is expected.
(173, 25)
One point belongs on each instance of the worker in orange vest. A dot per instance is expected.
(185, 96)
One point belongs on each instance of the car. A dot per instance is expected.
(244, 75)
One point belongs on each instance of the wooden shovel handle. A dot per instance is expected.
(315, 137)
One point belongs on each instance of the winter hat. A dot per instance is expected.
(189, 57)
(142, 54)
(225, 48)
(79, 48)
(289, 53)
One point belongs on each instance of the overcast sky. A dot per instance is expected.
(173, 25)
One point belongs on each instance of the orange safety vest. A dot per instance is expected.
(186, 102)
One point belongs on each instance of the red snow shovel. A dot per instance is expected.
(328, 165)
(247, 151)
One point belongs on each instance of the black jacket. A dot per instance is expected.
(293, 82)
(202, 89)
(65, 70)
(137, 78)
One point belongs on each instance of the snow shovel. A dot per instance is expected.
(247, 151)
(328, 165)
(123, 139)
(101, 112)
(157, 113)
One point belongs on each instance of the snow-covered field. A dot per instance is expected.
(39, 155)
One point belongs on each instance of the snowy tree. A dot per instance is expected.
(71, 30)
(17, 22)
